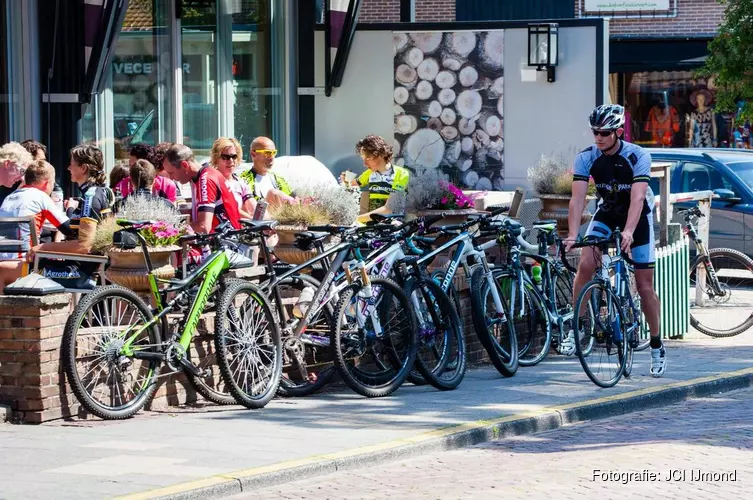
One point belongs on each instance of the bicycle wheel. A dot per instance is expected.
(440, 335)
(247, 340)
(375, 340)
(532, 328)
(438, 275)
(111, 384)
(307, 367)
(731, 303)
(606, 328)
(496, 334)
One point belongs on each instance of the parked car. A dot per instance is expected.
(726, 172)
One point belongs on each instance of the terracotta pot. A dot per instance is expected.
(127, 267)
(286, 251)
(557, 207)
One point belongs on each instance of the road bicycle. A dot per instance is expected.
(115, 345)
(606, 313)
(722, 276)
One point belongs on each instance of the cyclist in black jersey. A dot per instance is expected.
(621, 172)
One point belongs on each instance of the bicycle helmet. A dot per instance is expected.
(607, 117)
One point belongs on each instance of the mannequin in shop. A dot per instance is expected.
(663, 122)
(702, 121)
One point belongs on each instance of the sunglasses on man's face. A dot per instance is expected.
(603, 133)
(266, 152)
(229, 157)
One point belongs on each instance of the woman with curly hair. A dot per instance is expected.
(381, 177)
(226, 155)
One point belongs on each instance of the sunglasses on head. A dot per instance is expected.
(266, 152)
(603, 133)
(229, 157)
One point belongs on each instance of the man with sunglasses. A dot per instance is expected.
(262, 181)
(621, 172)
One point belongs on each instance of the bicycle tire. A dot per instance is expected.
(438, 275)
(742, 260)
(538, 316)
(623, 346)
(212, 385)
(69, 342)
(505, 365)
(289, 387)
(358, 380)
(441, 376)
(269, 333)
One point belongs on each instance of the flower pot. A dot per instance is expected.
(128, 269)
(286, 251)
(557, 207)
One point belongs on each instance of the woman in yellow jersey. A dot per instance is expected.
(381, 177)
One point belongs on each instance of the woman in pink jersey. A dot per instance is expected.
(226, 155)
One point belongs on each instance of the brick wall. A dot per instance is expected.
(32, 380)
(694, 18)
(388, 11)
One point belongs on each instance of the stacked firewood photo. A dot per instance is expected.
(448, 101)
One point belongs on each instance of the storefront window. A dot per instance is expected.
(142, 77)
(674, 109)
(4, 67)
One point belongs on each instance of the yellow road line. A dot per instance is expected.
(418, 438)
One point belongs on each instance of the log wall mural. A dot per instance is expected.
(448, 104)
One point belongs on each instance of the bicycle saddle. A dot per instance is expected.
(259, 225)
(515, 227)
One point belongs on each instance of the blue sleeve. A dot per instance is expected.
(641, 167)
(582, 167)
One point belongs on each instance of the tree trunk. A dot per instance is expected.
(493, 49)
(427, 42)
(452, 152)
(401, 95)
(414, 57)
(462, 43)
(406, 75)
(428, 69)
(449, 133)
(446, 79)
(448, 116)
(446, 97)
(434, 109)
(470, 178)
(399, 41)
(480, 139)
(467, 126)
(484, 184)
(452, 63)
(490, 123)
(500, 106)
(424, 90)
(464, 163)
(497, 88)
(434, 124)
(466, 145)
(424, 148)
(469, 103)
(468, 76)
(405, 124)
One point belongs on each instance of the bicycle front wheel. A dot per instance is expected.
(721, 293)
(100, 356)
(248, 346)
(605, 324)
(375, 339)
(495, 330)
(441, 357)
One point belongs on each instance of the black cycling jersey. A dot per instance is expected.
(96, 203)
(615, 174)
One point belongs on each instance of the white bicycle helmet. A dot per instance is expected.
(607, 117)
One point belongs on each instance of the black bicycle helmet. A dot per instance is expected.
(607, 117)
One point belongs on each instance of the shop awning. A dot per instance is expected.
(628, 55)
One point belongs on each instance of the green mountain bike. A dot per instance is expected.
(115, 345)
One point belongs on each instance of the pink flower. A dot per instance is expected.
(161, 234)
(444, 200)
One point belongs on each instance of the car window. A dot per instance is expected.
(653, 183)
(700, 177)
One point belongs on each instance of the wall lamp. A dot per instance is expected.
(542, 47)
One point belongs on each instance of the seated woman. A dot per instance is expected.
(226, 155)
(381, 177)
(163, 186)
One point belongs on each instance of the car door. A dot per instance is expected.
(727, 228)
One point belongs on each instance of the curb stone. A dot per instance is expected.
(450, 438)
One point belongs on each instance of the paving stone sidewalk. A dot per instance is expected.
(97, 459)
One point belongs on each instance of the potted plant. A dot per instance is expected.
(127, 266)
(552, 180)
(429, 192)
(316, 205)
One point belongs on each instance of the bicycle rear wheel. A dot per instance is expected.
(605, 363)
(375, 351)
(441, 357)
(108, 382)
(496, 334)
(247, 339)
(728, 310)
